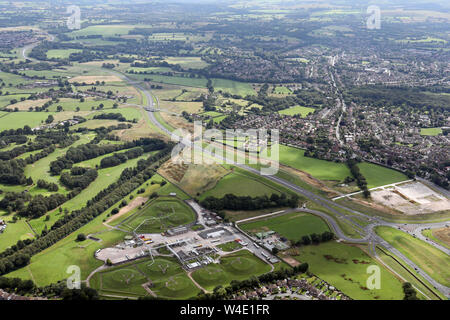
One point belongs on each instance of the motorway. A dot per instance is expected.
(368, 234)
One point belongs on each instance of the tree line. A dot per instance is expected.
(119, 158)
(360, 179)
(233, 202)
(90, 151)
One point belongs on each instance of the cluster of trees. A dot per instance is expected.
(314, 238)
(130, 179)
(110, 116)
(387, 96)
(360, 179)
(50, 186)
(233, 202)
(14, 201)
(40, 205)
(78, 178)
(27, 287)
(409, 291)
(17, 285)
(12, 172)
(119, 158)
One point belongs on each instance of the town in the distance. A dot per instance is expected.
(224, 150)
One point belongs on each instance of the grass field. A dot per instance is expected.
(292, 226)
(430, 131)
(15, 120)
(240, 265)
(61, 53)
(233, 87)
(320, 169)
(166, 275)
(378, 176)
(247, 187)
(302, 111)
(188, 62)
(160, 215)
(14, 232)
(433, 261)
(281, 90)
(345, 267)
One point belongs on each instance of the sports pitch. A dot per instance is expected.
(161, 215)
(162, 276)
(236, 266)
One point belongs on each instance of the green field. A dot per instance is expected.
(302, 111)
(378, 175)
(433, 261)
(345, 267)
(236, 266)
(161, 214)
(233, 87)
(320, 169)
(292, 226)
(61, 53)
(281, 90)
(430, 131)
(72, 104)
(247, 187)
(188, 62)
(15, 120)
(14, 231)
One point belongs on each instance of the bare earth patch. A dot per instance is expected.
(310, 180)
(25, 105)
(132, 205)
(411, 198)
(443, 234)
